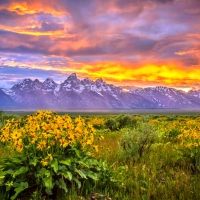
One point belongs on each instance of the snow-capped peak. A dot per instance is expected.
(49, 83)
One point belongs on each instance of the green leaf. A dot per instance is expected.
(77, 152)
(83, 163)
(54, 165)
(19, 188)
(21, 170)
(48, 184)
(62, 168)
(61, 184)
(78, 182)
(81, 173)
(92, 175)
(16, 160)
(66, 162)
(67, 175)
(93, 162)
(3, 173)
(33, 161)
(43, 172)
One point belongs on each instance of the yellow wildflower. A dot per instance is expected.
(195, 144)
(19, 147)
(41, 145)
(90, 140)
(79, 130)
(50, 156)
(44, 162)
(96, 148)
(15, 135)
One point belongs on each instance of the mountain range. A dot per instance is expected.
(74, 93)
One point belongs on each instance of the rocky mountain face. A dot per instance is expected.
(5, 100)
(74, 93)
(165, 97)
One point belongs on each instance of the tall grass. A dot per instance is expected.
(159, 166)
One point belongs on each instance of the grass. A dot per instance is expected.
(159, 174)
(164, 170)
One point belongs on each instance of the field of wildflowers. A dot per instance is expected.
(52, 156)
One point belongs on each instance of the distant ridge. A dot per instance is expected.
(74, 93)
(6, 100)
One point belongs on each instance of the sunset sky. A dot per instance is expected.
(138, 43)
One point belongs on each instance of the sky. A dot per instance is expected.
(141, 43)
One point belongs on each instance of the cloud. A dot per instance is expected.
(48, 26)
(104, 38)
(7, 16)
(163, 1)
(13, 75)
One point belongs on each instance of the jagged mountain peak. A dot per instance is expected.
(36, 84)
(49, 80)
(86, 81)
(27, 80)
(166, 97)
(163, 89)
(86, 93)
(159, 88)
(36, 81)
(99, 80)
(72, 76)
(22, 84)
(72, 79)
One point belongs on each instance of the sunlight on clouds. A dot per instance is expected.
(137, 43)
(168, 74)
(192, 51)
(19, 30)
(33, 7)
(118, 73)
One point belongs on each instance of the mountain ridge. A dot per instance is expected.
(74, 93)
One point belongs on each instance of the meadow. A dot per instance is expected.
(46, 155)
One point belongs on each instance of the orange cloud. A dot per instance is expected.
(141, 74)
(123, 73)
(119, 41)
(29, 24)
(33, 7)
(23, 30)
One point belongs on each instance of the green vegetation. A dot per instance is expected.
(118, 157)
(4, 117)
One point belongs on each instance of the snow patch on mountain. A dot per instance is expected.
(76, 93)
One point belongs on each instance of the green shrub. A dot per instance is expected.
(135, 143)
(111, 124)
(173, 133)
(124, 120)
(4, 117)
